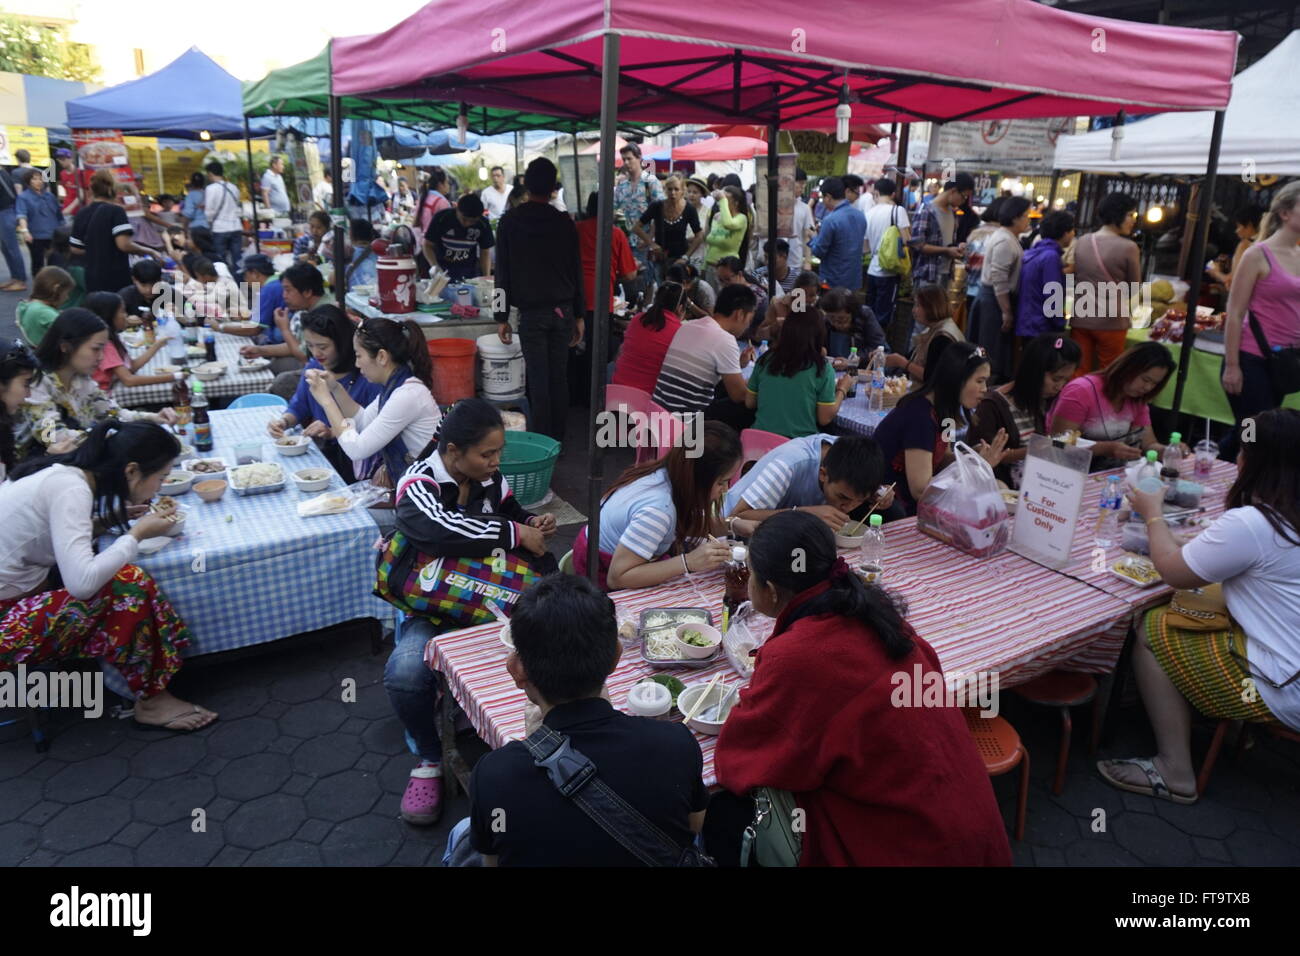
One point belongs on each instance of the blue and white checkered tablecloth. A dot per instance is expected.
(855, 417)
(229, 385)
(247, 570)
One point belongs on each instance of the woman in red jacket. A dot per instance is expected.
(879, 784)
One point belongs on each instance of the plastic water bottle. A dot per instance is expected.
(176, 349)
(873, 550)
(1173, 453)
(762, 347)
(876, 403)
(1148, 476)
(1112, 497)
(852, 360)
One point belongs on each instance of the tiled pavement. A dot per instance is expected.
(292, 775)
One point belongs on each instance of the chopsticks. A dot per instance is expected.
(872, 511)
(699, 702)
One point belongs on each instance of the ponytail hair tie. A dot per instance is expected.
(839, 571)
(1059, 343)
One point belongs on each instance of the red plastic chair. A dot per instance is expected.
(1063, 690)
(624, 398)
(755, 443)
(1000, 748)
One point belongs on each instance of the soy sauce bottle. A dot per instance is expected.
(202, 423)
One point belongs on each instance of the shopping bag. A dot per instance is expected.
(963, 506)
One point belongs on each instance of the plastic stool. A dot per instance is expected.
(1063, 690)
(1000, 748)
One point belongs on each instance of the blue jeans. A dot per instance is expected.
(229, 247)
(9, 244)
(881, 292)
(413, 688)
(459, 851)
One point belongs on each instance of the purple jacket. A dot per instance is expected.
(1040, 267)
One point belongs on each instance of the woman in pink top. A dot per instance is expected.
(1266, 286)
(434, 198)
(647, 339)
(1110, 407)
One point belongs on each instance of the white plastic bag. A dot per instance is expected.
(747, 631)
(329, 503)
(963, 506)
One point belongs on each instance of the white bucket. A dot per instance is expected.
(501, 368)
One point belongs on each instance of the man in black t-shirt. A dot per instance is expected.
(458, 240)
(146, 277)
(566, 645)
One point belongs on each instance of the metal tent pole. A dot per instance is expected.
(580, 200)
(1196, 262)
(600, 308)
(252, 184)
(336, 171)
(773, 178)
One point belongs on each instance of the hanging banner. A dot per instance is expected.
(819, 154)
(301, 198)
(1026, 146)
(31, 138)
(104, 149)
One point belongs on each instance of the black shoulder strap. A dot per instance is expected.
(574, 775)
(1264, 348)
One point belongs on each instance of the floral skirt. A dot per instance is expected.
(128, 623)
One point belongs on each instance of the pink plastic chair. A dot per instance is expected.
(665, 431)
(755, 443)
(631, 400)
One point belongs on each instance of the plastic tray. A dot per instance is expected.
(673, 662)
(258, 489)
(1124, 577)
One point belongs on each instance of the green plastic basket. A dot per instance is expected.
(527, 462)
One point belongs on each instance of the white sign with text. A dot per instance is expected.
(1051, 494)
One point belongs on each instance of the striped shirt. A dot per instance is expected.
(429, 513)
(786, 477)
(641, 517)
(700, 354)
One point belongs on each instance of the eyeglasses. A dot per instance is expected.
(1246, 666)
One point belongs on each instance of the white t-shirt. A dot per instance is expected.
(46, 517)
(1260, 573)
(222, 206)
(323, 194)
(494, 202)
(866, 202)
(882, 215)
(700, 354)
(409, 411)
(801, 226)
(273, 188)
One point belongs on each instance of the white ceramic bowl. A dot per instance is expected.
(854, 540)
(187, 451)
(178, 486)
(253, 365)
(179, 524)
(688, 698)
(209, 371)
(318, 479)
(299, 446)
(690, 651)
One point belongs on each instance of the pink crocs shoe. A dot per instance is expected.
(422, 801)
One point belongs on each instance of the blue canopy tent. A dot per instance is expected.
(402, 143)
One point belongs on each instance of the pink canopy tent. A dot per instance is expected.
(722, 148)
(623, 59)
(858, 132)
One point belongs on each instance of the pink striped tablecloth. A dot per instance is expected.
(1083, 555)
(1003, 615)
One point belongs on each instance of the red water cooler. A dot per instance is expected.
(397, 277)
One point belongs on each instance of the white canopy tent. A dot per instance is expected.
(1261, 129)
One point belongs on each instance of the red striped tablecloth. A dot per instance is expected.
(1081, 567)
(1004, 615)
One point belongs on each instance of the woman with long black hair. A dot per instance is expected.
(656, 522)
(107, 607)
(880, 781)
(792, 385)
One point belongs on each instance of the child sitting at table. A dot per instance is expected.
(879, 784)
(455, 503)
(834, 479)
(660, 519)
(106, 606)
(566, 645)
(117, 365)
(51, 290)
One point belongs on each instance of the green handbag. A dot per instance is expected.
(773, 839)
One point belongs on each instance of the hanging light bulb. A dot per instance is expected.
(1155, 214)
(843, 113)
(204, 135)
(1065, 184)
(462, 123)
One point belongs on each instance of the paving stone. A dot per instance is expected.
(47, 768)
(363, 841)
(17, 842)
(87, 738)
(1021, 854)
(289, 853)
(169, 757)
(366, 670)
(1203, 818)
(1251, 848)
(175, 800)
(17, 796)
(298, 784)
(314, 718)
(313, 831)
(326, 755)
(1099, 853)
(1136, 803)
(385, 737)
(85, 779)
(178, 845)
(343, 795)
(17, 757)
(221, 808)
(1153, 840)
(1237, 792)
(396, 773)
(131, 787)
(133, 834)
(106, 854)
(247, 778)
(42, 812)
(212, 765)
(371, 763)
(274, 709)
(264, 821)
(43, 859)
(85, 825)
(372, 702)
(1048, 856)
(130, 746)
(356, 725)
(231, 856)
(285, 744)
(238, 738)
(304, 686)
(237, 700)
(417, 854)
(1051, 825)
(1215, 850)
